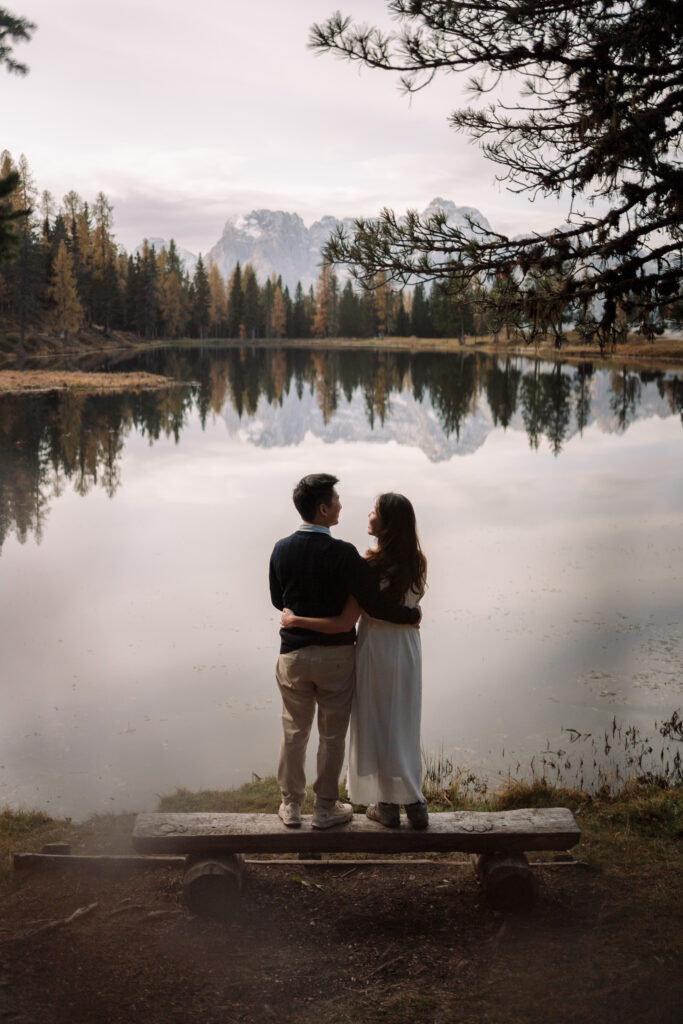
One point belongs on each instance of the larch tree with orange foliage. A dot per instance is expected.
(64, 294)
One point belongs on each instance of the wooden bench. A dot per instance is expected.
(215, 845)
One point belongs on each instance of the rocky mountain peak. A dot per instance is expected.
(456, 215)
(278, 242)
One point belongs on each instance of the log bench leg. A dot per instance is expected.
(508, 881)
(212, 884)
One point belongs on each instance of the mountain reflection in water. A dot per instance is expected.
(445, 404)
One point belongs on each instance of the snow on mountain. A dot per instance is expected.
(274, 242)
(277, 242)
(456, 215)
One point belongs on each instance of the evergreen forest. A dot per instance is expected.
(67, 272)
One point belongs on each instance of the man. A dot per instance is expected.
(312, 573)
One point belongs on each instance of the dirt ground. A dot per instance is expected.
(393, 943)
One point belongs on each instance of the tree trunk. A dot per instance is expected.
(508, 881)
(212, 884)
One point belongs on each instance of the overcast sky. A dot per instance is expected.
(185, 114)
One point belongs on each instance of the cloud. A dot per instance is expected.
(183, 132)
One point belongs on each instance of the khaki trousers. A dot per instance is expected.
(322, 677)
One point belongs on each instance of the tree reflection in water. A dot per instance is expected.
(49, 440)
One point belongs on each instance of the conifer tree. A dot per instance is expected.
(173, 306)
(47, 207)
(402, 322)
(420, 319)
(235, 302)
(11, 212)
(26, 273)
(266, 306)
(149, 298)
(300, 319)
(202, 297)
(289, 312)
(218, 302)
(349, 312)
(325, 319)
(13, 30)
(72, 204)
(592, 113)
(172, 259)
(451, 314)
(58, 233)
(64, 294)
(82, 248)
(9, 216)
(367, 327)
(173, 292)
(121, 272)
(131, 292)
(251, 302)
(278, 318)
(104, 277)
(382, 297)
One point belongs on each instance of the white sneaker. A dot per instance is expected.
(290, 815)
(326, 815)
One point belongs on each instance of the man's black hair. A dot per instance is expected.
(311, 492)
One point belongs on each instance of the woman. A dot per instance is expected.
(385, 763)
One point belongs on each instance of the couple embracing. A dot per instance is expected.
(322, 585)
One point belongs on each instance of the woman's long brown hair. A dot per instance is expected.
(398, 557)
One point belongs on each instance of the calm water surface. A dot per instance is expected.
(137, 641)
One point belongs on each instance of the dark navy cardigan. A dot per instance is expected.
(313, 574)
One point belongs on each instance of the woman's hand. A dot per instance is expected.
(287, 619)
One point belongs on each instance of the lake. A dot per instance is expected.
(137, 640)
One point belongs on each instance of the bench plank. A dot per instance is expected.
(548, 828)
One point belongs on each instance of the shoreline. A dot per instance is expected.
(663, 354)
(111, 829)
(666, 353)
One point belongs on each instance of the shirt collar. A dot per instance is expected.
(312, 528)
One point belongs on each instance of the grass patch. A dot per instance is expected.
(27, 831)
(537, 793)
(644, 810)
(261, 796)
(13, 823)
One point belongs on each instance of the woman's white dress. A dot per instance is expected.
(385, 761)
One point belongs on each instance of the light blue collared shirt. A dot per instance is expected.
(312, 528)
